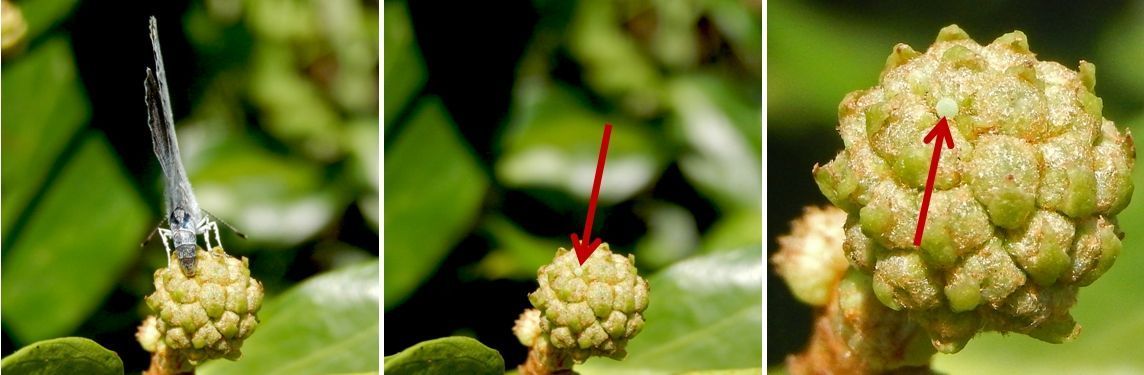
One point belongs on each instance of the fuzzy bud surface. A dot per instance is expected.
(206, 316)
(1023, 211)
(591, 309)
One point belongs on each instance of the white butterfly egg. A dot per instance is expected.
(946, 107)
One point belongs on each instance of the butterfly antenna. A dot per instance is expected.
(232, 228)
(153, 231)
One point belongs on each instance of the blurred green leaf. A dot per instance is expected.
(293, 107)
(404, 71)
(613, 62)
(433, 191)
(46, 107)
(724, 95)
(722, 160)
(554, 142)
(327, 324)
(345, 25)
(705, 314)
(78, 240)
(814, 59)
(673, 42)
(516, 253)
(672, 235)
(335, 255)
(1110, 312)
(361, 140)
(742, 23)
(734, 230)
(42, 15)
(274, 199)
(743, 371)
(1120, 51)
(447, 355)
(281, 21)
(220, 42)
(66, 355)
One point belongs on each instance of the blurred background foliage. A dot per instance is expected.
(276, 106)
(493, 118)
(820, 50)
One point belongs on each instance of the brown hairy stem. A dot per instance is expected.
(854, 333)
(884, 341)
(168, 362)
(543, 359)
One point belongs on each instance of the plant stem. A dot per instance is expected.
(854, 333)
(543, 359)
(169, 362)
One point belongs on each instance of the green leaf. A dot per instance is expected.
(613, 61)
(43, 15)
(814, 59)
(327, 324)
(79, 238)
(350, 29)
(742, 371)
(277, 200)
(1120, 49)
(672, 235)
(674, 43)
(742, 24)
(705, 314)
(554, 142)
(723, 157)
(433, 193)
(282, 22)
(292, 107)
(65, 355)
(734, 230)
(447, 355)
(47, 107)
(1110, 312)
(404, 71)
(516, 254)
(361, 140)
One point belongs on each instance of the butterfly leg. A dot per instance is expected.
(217, 236)
(165, 234)
(205, 226)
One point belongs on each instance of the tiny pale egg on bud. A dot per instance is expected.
(946, 107)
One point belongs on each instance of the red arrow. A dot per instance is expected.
(585, 247)
(941, 132)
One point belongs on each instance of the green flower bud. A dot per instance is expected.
(1024, 206)
(586, 310)
(204, 317)
(809, 259)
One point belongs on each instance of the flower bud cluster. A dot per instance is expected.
(1023, 211)
(206, 316)
(591, 309)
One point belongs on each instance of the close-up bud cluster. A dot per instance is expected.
(1023, 210)
(206, 316)
(591, 309)
(810, 258)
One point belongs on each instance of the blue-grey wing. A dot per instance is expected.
(164, 142)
